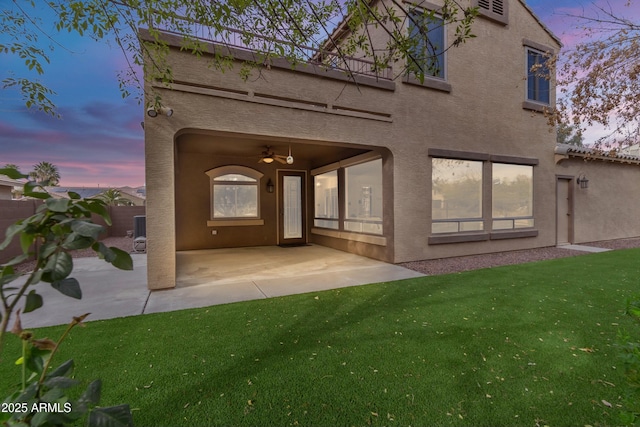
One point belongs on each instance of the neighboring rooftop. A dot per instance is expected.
(565, 151)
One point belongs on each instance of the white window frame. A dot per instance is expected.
(235, 170)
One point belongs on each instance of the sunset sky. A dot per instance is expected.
(99, 140)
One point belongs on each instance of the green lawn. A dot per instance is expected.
(526, 345)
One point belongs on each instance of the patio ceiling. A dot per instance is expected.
(250, 147)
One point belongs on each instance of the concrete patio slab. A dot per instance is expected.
(206, 278)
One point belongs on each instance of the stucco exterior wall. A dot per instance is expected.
(609, 207)
(481, 113)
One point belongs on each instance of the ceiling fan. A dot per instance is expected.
(269, 156)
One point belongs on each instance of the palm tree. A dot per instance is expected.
(47, 173)
(113, 197)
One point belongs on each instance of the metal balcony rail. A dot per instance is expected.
(257, 43)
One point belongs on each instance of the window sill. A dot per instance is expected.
(536, 106)
(481, 237)
(429, 82)
(514, 234)
(348, 235)
(234, 222)
(458, 238)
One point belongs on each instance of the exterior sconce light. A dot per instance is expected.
(270, 186)
(582, 181)
(165, 111)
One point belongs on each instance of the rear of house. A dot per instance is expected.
(386, 166)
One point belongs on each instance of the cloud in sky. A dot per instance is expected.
(98, 140)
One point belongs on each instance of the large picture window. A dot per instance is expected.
(456, 195)
(363, 183)
(485, 196)
(349, 196)
(234, 193)
(326, 200)
(512, 196)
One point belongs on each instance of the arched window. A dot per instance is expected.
(235, 193)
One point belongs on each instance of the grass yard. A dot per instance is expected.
(526, 345)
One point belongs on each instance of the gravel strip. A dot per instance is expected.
(474, 262)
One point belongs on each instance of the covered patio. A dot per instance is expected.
(221, 276)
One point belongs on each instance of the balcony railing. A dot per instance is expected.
(257, 43)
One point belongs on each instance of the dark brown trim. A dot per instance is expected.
(458, 238)
(513, 234)
(528, 161)
(462, 155)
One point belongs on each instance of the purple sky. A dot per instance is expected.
(99, 140)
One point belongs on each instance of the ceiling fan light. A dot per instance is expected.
(268, 160)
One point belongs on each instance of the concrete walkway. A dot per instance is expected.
(209, 277)
(583, 248)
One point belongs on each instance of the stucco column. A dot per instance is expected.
(161, 246)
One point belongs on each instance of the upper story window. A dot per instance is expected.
(538, 77)
(234, 192)
(496, 10)
(428, 53)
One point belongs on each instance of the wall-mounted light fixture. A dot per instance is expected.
(582, 181)
(270, 186)
(165, 111)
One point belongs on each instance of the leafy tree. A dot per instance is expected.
(569, 134)
(46, 173)
(273, 28)
(600, 77)
(114, 197)
(58, 227)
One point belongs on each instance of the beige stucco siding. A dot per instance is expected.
(608, 208)
(482, 113)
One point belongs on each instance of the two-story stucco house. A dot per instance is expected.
(389, 167)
